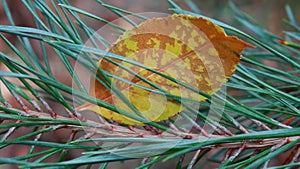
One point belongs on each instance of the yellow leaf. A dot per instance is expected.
(189, 49)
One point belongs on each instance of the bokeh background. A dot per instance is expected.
(268, 13)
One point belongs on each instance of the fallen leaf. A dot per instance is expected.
(192, 50)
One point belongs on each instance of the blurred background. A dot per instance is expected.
(268, 13)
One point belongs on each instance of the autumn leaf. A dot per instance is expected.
(192, 50)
